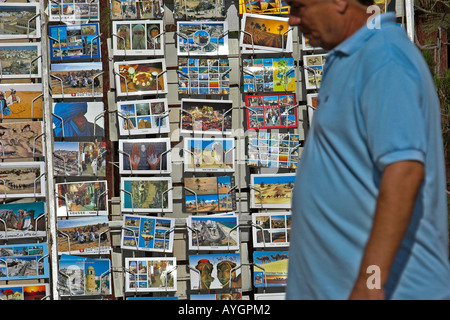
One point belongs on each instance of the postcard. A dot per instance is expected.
(76, 80)
(313, 65)
(20, 60)
(271, 229)
(263, 7)
(72, 42)
(271, 190)
(74, 10)
(206, 116)
(133, 9)
(306, 46)
(209, 194)
(82, 198)
(139, 117)
(138, 38)
(213, 232)
(215, 271)
(266, 34)
(19, 140)
(146, 233)
(24, 261)
(20, 20)
(22, 179)
(270, 269)
(202, 38)
(268, 75)
(271, 111)
(138, 77)
(312, 101)
(151, 274)
(217, 296)
(21, 101)
(151, 155)
(270, 296)
(87, 235)
(23, 220)
(209, 154)
(80, 276)
(204, 9)
(78, 119)
(38, 291)
(203, 76)
(146, 194)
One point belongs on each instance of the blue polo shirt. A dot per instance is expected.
(377, 105)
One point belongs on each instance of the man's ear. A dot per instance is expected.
(341, 5)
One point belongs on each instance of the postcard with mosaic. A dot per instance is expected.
(271, 190)
(74, 10)
(263, 7)
(202, 38)
(209, 154)
(206, 116)
(313, 65)
(204, 9)
(22, 179)
(20, 60)
(20, 20)
(146, 233)
(132, 9)
(271, 229)
(20, 101)
(270, 268)
(271, 111)
(269, 75)
(21, 140)
(31, 292)
(23, 220)
(151, 274)
(203, 76)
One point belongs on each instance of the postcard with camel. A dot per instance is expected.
(22, 179)
(271, 190)
(36, 291)
(20, 101)
(20, 140)
(151, 274)
(271, 229)
(270, 268)
(209, 154)
(22, 220)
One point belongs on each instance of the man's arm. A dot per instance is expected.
(399, 186)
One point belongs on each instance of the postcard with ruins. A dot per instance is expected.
(313, 66)
(22, 179)
(74, 10)
(20, 60)
(82, 198)
(22, 220)
(21, 101)
(146, 194)
(263, 7)
(271, 190)
(151, 274)
(199, 9)
(208, 154)
(271, 229)
(202, 38)
(270, 269)
(36, 291)
(20, 20)
(213, 232)
(206, 116)
(21, 140)
(87, 235)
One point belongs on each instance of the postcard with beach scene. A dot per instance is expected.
(151, 274)
(146, 194)
(74, 10)
(20, 20)
(268, 75)
(147, 233)
(20, 60)
(21, 101)
(22, 179)
(206, 116)
(82, 198)
(24, 261)
(263, 7)
(215, 271)
(202, 38)
(313, 66)
(213, 232)
(271, 190)
(271, 229)
(23, 220)
(199, 9)
(270, 269)
(132, 9)
(271, 111)
(86, 235)
(209, 154)
(209, 194)
(38, 291)
(21, 140)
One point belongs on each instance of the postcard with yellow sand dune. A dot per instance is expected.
(270, 268)
(271, 190)
(21, 101)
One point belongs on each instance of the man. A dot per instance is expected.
(70, 121)
(369, 204)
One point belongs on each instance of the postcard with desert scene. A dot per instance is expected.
(20, 60)
(271, 229)
(271, 111)
(22, 220)
(151, 274)
(81, 276)
(76, 80)
(213, 232)
(215, 271)
(24, 261)
(36, 291)
(74, 10)
(206, 116)
(149, 155)
(86, 235)
(312, 101)
(199, 9)
(202, 38)
(20, 20)
(271, 190)
(138, 38)
(82, 198)
(270, 269)
(209, 194)
(138, 77)
(269, 75)
(21, 140)
(265, 34)
(21, 101)
(132, 9)
(263, 7)
(22, 179)
(139, 117)
(209, 154)
(72, 42)
(147, 233)
(313, 65)
(146, 194)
